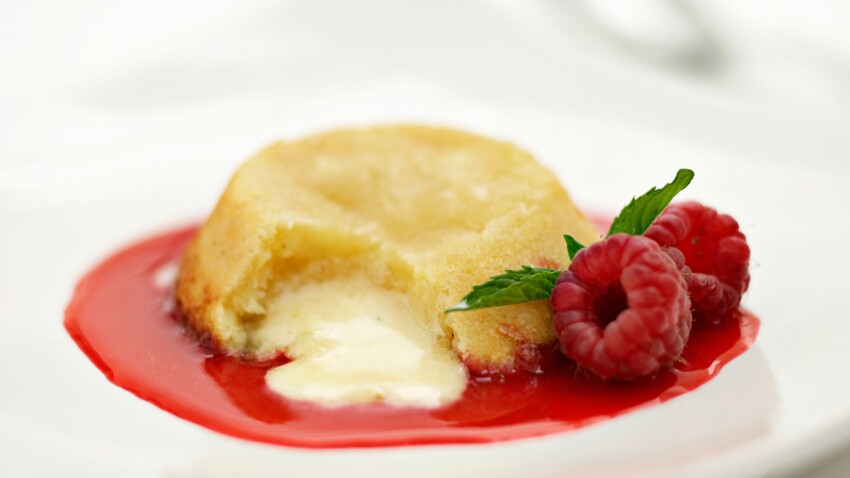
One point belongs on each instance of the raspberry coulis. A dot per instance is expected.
(126, 325)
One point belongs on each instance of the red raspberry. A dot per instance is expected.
(622, 310)
(715, 251)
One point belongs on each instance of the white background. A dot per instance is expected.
(122, 119)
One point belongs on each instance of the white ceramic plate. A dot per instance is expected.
(772, 406)
(116, 159)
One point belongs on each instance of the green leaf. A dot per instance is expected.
(512, 287)
(573, 246)
(639, 214)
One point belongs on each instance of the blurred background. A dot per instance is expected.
(105, 103)
(82, 81)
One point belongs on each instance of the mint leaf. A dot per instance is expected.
(639, 214)
(573, 246)
(530, 283)
(512, 287)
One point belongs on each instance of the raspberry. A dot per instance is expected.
(622, 310)
(715, 251)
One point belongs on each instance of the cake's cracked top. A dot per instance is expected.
(423, 213)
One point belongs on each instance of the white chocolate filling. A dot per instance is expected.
(353, 342)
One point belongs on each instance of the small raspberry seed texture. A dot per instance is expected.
(714, 249)
(622, 309)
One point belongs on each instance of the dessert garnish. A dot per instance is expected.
(714, 249)
(623, 308)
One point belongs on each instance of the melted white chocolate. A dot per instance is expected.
(352, 342)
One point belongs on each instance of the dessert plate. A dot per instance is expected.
(113, 130)
(777, 405)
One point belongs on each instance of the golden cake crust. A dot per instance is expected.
(425, 211)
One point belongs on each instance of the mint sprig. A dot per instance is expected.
(512, 287)
(530, 283)
(573, 246)
(640, 213)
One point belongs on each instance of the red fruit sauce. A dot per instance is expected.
(125, 323)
